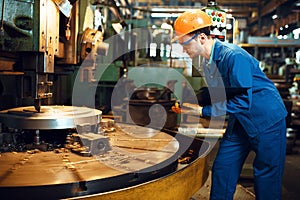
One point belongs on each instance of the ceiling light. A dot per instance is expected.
(170, 10)
(296, 31)
(275, 16)
(165, 15)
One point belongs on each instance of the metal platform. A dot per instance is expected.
(140, 159)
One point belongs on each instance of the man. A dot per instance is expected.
(256, 113)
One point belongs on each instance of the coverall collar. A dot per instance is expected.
(211, 53)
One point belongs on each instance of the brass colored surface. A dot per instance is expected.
(182, 184)
(134, 148)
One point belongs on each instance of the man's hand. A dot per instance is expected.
(191, 108)
(187, 108)
(176, 109)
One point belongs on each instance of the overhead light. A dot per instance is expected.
(296, 6)
(165, 15)
(275, 16)
(170, 10)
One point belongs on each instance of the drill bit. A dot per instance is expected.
(37, 105)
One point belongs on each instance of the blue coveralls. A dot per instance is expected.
(256, 122)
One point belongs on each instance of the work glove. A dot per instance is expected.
(187, 108)
(176, 108)
(193, 109)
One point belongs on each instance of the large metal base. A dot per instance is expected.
(181, 184)
(142, 161)
(145, 162)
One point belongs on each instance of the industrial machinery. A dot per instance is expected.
(42, 41)
(31, 30)
(53, 150)
(218, 17)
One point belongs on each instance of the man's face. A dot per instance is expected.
(191, 45)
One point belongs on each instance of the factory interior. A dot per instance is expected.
(88, 90)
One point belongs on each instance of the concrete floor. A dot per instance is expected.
(245, 191)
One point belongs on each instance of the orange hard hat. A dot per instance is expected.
(190, 21)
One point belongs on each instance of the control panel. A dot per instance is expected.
(218, 29)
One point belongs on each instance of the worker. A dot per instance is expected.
(256, 112)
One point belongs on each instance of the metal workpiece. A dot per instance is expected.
(49, 117)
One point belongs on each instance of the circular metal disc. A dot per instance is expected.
(50, 117)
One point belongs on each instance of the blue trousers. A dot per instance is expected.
(268, 165)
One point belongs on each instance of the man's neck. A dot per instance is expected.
(208, 48)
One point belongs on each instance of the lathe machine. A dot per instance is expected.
(50, 149)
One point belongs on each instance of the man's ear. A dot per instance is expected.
(202, 36)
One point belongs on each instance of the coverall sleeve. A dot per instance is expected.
(238, 69)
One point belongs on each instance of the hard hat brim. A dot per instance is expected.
(180, 36)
